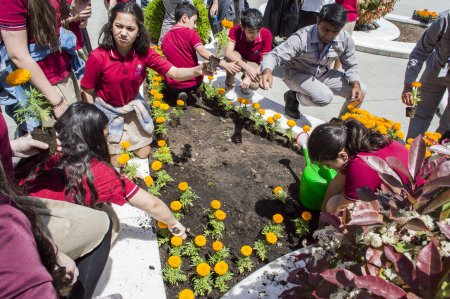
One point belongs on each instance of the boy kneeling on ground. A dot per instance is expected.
(181, 45)
(250, 42)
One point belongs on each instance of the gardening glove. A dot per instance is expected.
(26, 146)
(178, 230)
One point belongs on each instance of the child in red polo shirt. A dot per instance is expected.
(116, 70)
(181, 45)
(249, 43)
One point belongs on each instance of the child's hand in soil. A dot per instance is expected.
(26, 146)
(253, 74)
(201, 69)
(178, 230)
(246, 82)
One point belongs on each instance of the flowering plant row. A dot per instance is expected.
(370, 10)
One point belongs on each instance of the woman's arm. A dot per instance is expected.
(335, 187)
(88, 95)
(158, 210)
(183, 74)
(16, 43)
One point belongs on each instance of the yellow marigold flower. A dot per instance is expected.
(261, 111)
(186, 294)
(176, 241)
(220, 215)
(387, 125)
(427, 142)
(156, 104)
(221, 268)
(428, 134)
(277, 189)
(180, 102)
(291, 123)
(240, 100)
(217, 246)
(160, 120)
(18, 77)
(277, 116)
(174, 261)
(156, 165)
(382, 130)
(215, 204)
(256, 106)
(408, 146)
(153, 92)
(271, 238)
(183, 186)
(210, 78)
(156, 84)
(270, 120)
(165, 150)
(161, 143)
(162, 225)
(437, 135)
(148, 181)
(245, 101)
(416, 84)
(227, 24)
(124, 158)
(158, 96)
(164, 107)
(277, 218)
(306, 216)
(306, 128)
(200, 240)
(175, 205)
(203, 269)
(410, 140)
(125, 144)
(396, 126)
(221, 90)
(351, 108)
(427, 154)
(400, 134)
(246, 250)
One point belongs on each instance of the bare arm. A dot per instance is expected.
(88, 95)
(335, 187)
(16, 43)
(205, 54)
(183, 74)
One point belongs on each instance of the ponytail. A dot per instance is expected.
(327, 140)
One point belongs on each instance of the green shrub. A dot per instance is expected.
(154, 15)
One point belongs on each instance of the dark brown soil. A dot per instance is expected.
(409, 33)
(242, 176)
(46, 135)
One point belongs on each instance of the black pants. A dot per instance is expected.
(90, 268)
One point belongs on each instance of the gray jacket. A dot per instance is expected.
(300, 53)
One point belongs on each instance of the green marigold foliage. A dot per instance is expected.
(154, 15)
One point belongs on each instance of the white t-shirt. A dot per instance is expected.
(315, 5)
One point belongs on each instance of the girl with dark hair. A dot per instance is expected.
(340, 145)
(116, 70)
(30, 33)
(81, 173)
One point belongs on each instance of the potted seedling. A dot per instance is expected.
(411, 111)
(222, 42)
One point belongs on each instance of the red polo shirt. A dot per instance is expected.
(115, 78)
(351, 7)
(251, 51)
(52, 184)
(13, 17)
(74, 26)
(179, 45)
(5, 148)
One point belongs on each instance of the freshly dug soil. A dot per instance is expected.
(46, 135)
(409, 33)
(242, 176)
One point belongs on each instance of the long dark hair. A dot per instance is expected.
(327, 140)
(41, 21)
(46, 250)
(142, 42)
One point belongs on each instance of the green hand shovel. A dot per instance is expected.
(315, 179)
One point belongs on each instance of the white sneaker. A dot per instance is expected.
(247, 92)
(231, 95)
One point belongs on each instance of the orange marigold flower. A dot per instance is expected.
(261, 111)
(427, 154)
(221, 90)
(221, 268)
(148, 181)
(408, 146)
(174, 261)
(175, 205)
(277, 218)
(227, 24)
(156, 165)
(164, 107)
(306, 216)
(180, 102)
(220, 215)
(217, 246)
(156, 84)
(200, 240)
(270, 120)
(18, 77)
(437, 135)
(124, 158)
(245, 101)
(176, 241)
(215, 204)
(161, 142)
(291, 123)
(410, 140)
(210, 78)
(277, 189)
(271, 238)
(125, 144)
(416, 84)
(183, 186)
(240, 100)
(203, 269)
(162, 225)
(160, 120)
(396, 126)
(186, 294)
(400, 134)
(306, 128)
(246, 250)
(256, 106)
(156, 104)
(153, 92)
(277, 116)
